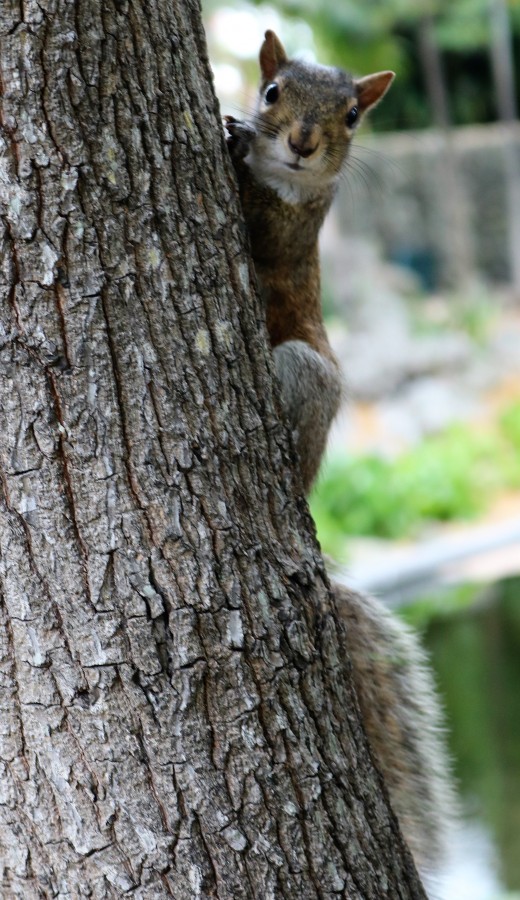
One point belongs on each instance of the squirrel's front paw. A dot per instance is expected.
(240, 136)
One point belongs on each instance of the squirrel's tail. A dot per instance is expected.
(403, 723)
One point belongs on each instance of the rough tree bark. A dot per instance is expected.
(177, 717)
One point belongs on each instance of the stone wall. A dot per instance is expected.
(438, 203)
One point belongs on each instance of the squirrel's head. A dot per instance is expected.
(306, 116)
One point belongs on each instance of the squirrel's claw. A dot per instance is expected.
(240, 135)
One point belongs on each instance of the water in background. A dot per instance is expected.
(476, 655)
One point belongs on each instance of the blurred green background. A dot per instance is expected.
(420, 492)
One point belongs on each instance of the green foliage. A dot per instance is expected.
(451, 476)
(473, 314)
(464, 26)
(510, 424)
(442, 606)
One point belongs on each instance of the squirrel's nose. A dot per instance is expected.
(301, 147)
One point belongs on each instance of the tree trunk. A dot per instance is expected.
(177, 718)
(503, 66)
(456, 243)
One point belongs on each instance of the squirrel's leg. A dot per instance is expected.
(311, 388)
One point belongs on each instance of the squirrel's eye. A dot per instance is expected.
(352, 116)
(272, 93)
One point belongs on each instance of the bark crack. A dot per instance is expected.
(68, 481)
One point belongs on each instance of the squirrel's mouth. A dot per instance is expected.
(296, 167)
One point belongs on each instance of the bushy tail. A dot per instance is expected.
(403, 723)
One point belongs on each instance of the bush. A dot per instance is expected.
(452, 476)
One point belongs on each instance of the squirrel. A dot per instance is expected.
(289, 160)
(289, 157)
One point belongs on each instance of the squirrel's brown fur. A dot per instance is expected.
(284, 238)
(288, 160)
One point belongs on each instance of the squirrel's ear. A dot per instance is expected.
(272, 55)
(372, 88)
